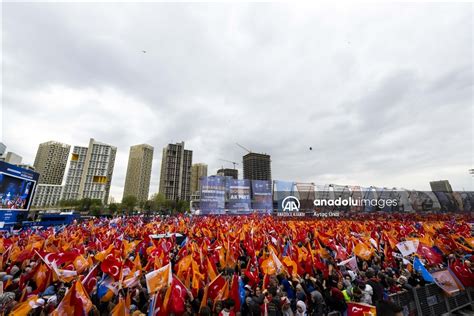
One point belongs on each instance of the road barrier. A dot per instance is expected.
(431, 300)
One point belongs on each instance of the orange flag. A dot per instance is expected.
(103, 254)
(81, 263)
(211, 270)
(122, 308)
(75, 301)
(25, 307)
(224, 292)
(158, 279)
(204, 298)
(183, 265)
(362, 251)
(291, 264)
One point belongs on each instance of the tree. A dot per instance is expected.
(158, 202)
(182, 206)
(68, 203)
(113, 208)
(88, 205)
(129, 202)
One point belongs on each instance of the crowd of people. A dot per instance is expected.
(224, 265)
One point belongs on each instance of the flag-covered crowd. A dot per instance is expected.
(221, 265)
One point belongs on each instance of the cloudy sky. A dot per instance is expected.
(382, 93)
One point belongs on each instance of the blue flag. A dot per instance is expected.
(418, 266)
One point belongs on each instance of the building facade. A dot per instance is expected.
(175, 175)
(3, 149)
(13, 158)
(47, 195)
(90, 172)
(50, 162)
(198, 170)
(257, 166)
(137, 180)
(227, 172)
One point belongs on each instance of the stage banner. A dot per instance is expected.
(262, 201)
(212, 195)
(238, 196)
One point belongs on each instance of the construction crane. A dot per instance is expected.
(233, 162)
(246, 149)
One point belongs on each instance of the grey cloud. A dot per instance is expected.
(383, 101)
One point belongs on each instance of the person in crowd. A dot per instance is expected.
(316, 286)
(300, 309)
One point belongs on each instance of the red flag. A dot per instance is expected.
(179, 292)
(429, 254)
(463, 273)
(111, 266)
(341, 252)
(60, 257)
(216, 285)
(234, 292)
(360, 309)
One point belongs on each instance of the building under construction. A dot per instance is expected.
(257, 166)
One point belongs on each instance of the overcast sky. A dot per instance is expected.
(382, 94)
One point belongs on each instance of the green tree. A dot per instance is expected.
(113, 208)
(129, 202)
(87, 205)
(158, 202)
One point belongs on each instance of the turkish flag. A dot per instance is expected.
(433, 257)
(179, 292)
(61, 257)
(216, 286)
(360, 309)
(463, 273)
(111, 266)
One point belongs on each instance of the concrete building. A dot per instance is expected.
(198, 170)
(175, 175)
(137, 181)
(3, 149)
(257, 166)
(227, 172)
(90, 172)
(47, 195)
(13, 158)
(441, 186)
(50, 162)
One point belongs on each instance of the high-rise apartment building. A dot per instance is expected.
(257, 166)
(90, 172)
(137, 181)
(47, 195)
(50, 162)
(198, 170)
(175, 175)
(227, 172)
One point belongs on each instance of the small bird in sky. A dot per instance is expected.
(310, 148)
(143, 51)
